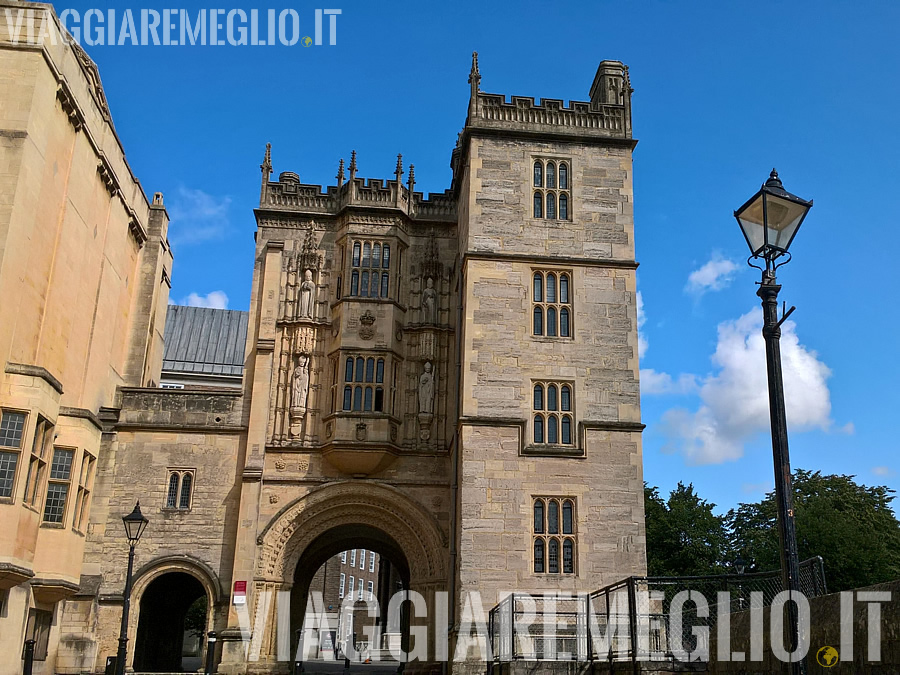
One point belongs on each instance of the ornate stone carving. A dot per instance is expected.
(426, 390)
(280, 465)
(307, 296)
(273, 499)
(429, 302)
(299, 394)
(303, 465)
(426, 402)
(361, 431)
(367, 325)
(353, 502)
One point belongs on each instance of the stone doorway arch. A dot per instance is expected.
(340, 515)
(165, 584)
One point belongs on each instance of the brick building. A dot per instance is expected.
(449, 381)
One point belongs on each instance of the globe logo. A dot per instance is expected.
(306, 41)
(827, 656)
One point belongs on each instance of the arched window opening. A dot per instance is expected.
(538, 397)
(538, 429)
(551, 177)
(568, 517)
(563, 176)
(553, 557)
(538, 326)
(552, 430)
(538, 175)
(538, 287)
(538, 516)
(539, 556)
(568, 557)
(553, 517)
(538, 205)
(551, 397)
(564, 322)
(184, 501)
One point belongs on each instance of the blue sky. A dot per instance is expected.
(725, 90)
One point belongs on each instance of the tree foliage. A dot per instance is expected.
(851, 526)
(684, 536)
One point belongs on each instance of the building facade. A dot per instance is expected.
(449, 381)
(84, 274)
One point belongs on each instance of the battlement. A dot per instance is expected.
(289, 194)
(607, 114)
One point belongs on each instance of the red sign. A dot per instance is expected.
(240, 592)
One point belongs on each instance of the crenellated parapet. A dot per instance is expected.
(606, 115)
(289, 194)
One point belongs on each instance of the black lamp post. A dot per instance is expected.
(770, 220)
(135, 524)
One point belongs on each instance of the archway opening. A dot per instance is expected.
(357, 569)
(173, 617)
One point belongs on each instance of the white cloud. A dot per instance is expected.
(197, 217)
(641, 319)
(654, 382)
(713, 276)
(734, 401)
(848, 429)
(213, 299)
(883, 471)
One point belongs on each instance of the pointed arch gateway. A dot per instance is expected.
(318, 525)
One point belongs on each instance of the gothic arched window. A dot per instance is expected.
(539, 556)
(553, 556)
(563, 207)
(538, 176)
(538, 516)
(538, 397)
(538, 323)
(184, 501)
(551, 176)
(538, 429)
(538, 205)
(551, 206)
(568, 557)
(563, 176)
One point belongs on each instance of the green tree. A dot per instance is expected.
(851, 526)
(684, 536)
(195, 618)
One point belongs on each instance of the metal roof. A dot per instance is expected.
(205, 341)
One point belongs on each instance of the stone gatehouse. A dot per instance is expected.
(448, 380)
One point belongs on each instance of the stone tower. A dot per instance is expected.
(450, 381)
(548, 452)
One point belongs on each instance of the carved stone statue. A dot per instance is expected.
(426, 391)
(300, 384)
(307, 295)
(429, 302)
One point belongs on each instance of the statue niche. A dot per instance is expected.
(429, 302)
(299, 395)
(307, 296)
(426, 401)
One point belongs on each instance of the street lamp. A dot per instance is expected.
(770, 220)
(135, 524)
